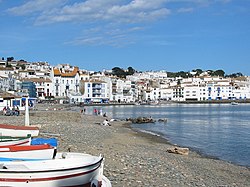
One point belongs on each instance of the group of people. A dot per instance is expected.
(11, 112)
(100, 112)
(83, 111)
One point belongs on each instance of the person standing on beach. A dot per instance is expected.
(95, 111)
(17, 111)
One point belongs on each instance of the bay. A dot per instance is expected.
(217, 130)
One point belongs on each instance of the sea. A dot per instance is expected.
(220, 131)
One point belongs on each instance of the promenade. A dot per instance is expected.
(131, 158)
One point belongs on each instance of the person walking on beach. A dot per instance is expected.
(95, 111)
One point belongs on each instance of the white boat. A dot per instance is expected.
(234, 103)
(18, 131)
(44, 151)
(66, 169)
(6, 141)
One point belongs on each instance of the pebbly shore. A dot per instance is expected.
(131, 158)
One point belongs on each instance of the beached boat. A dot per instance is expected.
(44, 151)
(66, 169)
(234, 103)
(18, 131)
(6, 141)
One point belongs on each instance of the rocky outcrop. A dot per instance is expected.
(141, 120)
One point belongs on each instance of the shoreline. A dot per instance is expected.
(132, 158)
(247, 101)
(160, 139)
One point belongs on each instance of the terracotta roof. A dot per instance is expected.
(6, 95)
(73, 73)
(57, 72)
(7, 68)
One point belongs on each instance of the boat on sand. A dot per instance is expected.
(6, 141)
(44, 151)
(66, 169)
(18, 131)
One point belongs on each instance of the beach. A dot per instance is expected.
(132, 158)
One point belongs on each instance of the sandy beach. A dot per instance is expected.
(131, 158)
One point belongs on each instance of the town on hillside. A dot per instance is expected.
(65, 83)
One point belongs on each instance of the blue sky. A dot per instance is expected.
(171, 35)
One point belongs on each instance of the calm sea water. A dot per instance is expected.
(217, 130)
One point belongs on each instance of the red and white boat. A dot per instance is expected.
(44, 151)
(6, 141)
(18, 131)
(65, 170)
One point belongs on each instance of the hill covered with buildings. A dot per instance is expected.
(69, 83)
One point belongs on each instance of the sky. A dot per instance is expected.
(147, 35)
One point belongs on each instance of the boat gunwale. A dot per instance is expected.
(16, 127)
(14, 148)
(2, 170)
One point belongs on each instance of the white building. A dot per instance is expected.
(65, 81)
(94, 91)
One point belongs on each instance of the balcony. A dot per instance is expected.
(96, 87)
(97, 92)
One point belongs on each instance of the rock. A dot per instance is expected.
(141, 120)
(179, 150)
(164, 120)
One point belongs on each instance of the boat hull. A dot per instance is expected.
(28, 152)
(18, 131)
(72, 170)
(10, 141)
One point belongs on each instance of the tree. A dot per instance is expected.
(235, 75)
(23, 67)
(119, 72)
(9, 59)
(198, 71)
(220, 73)
(131, 71)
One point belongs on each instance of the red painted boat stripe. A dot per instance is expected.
(47, 179)
(5, 126)
(21, 143)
